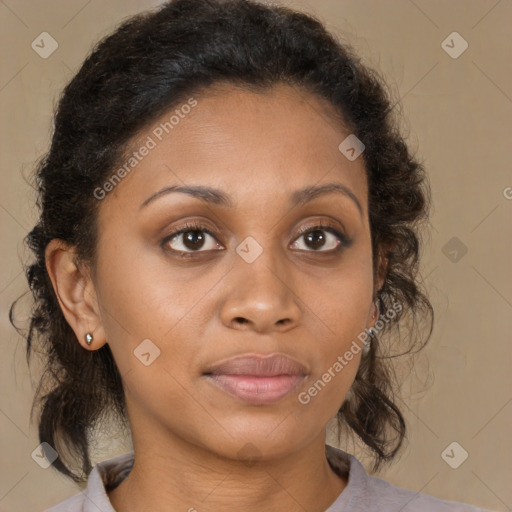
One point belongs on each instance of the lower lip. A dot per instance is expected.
(257, 390)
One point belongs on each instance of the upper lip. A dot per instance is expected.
(258, 365)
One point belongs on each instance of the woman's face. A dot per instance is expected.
(247, 283)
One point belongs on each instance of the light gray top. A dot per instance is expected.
(363, 493)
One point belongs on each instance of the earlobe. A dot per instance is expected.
(75, 292)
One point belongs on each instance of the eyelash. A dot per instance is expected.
(192, 226)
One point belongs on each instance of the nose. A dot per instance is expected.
(260, 296)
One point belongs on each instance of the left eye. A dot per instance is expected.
(319, 237)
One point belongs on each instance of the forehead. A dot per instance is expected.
(256, 146)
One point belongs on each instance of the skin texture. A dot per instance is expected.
(191, 438)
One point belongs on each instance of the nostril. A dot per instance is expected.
(241, 320)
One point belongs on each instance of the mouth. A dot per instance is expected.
(257, 380)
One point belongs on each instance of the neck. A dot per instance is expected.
(187, 477)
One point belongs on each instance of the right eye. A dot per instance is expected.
(190, 239)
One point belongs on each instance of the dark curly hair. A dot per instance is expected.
(148, 65)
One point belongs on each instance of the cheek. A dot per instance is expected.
(144, 297)
(338, 325)
(339, 305)
(147, 317)
(325, 391)
(337, 354)
(339, 314)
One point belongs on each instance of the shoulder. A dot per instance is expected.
(365, 493)
(392, 498)
(105, 476)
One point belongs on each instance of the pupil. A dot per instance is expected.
(315, 237)
(192, 238)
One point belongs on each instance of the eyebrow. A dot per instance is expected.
(218, 197)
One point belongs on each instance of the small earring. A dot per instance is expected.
(88, 338)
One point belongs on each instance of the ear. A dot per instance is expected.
(75, 292)
(382, 270)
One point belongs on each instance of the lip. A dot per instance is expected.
(257, 379)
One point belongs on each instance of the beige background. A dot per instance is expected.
(458, 114)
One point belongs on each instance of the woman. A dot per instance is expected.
(229, 226)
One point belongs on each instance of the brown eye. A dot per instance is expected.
(191, 238)
(320, 239)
